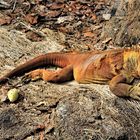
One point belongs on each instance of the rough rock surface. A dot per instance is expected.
(123, 27)
(68, 111)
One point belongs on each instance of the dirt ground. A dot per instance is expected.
(68, 111)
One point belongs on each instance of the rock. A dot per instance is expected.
(64, 18)
(123, 27)
(107, 16)
(3, 98)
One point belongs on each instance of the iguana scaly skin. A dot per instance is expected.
(117, 67)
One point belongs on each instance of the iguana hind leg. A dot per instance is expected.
(119, 87)
(57, 76)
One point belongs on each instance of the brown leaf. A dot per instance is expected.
(33, 36)
(88, 34)
(77, 34)
(93, 17)
(62, 29)
(56, 6)
(37, 1)
(32, 19)
(52, 14)
(5, 20)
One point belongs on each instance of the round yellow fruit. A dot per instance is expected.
(13, 94)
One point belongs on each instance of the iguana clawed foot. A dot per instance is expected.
(39, 74)
(134, 92)
(34, 75)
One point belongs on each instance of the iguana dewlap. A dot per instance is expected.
(117, 67)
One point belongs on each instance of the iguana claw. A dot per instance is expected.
(135, 92)
(33, 75)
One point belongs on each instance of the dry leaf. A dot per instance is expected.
(88, 34)
(5, 20)
(56, 6)
(32, 19)
(52, 14)
(93, 17)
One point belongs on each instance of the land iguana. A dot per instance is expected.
(116, 67)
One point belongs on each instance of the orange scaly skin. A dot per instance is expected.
(117, 67)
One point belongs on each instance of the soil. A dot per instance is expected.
(68, 111)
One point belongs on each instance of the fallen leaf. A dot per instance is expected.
(52, 14)
(88, 34)
(56, 6)
(31, 18)
(93, 17)
(5, 20)
(33, 36)
(63, 29)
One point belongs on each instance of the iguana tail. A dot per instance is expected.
(53, 59)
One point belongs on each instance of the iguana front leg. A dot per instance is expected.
(135, 92)
(56, 76)
(119, 87)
